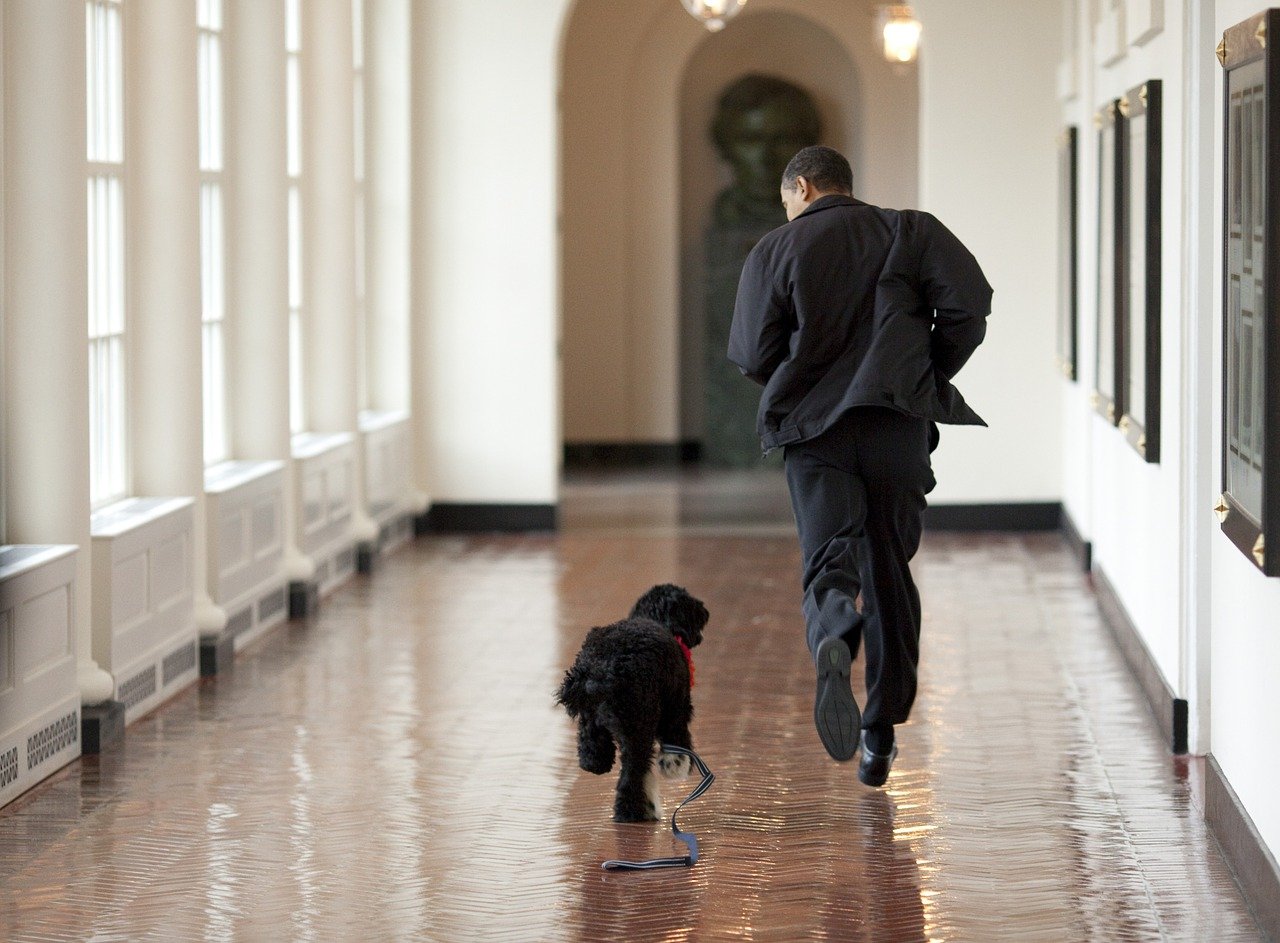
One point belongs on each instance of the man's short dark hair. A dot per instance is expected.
(824, 167)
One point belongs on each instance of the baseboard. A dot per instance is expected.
(1246, 853)
(1038, 515)
(101, 727)
(593, 455)
(480, 518)
(1169, 710)
(1080, 548)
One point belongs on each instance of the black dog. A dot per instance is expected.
(630, 685)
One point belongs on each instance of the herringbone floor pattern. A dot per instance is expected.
(395, 768)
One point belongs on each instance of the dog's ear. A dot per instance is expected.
(673, 607)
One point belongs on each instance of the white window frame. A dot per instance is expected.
(360, 145)
(210, 75)
(293, 134)
(105, 195)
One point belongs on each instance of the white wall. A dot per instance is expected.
(484, 264)
(1245, 640)
(987, 170)
(1127, 507)
(1210, 619)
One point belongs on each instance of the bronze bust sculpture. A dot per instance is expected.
(761, 121)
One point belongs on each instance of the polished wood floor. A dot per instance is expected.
(395, 769)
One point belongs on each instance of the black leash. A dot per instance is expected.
(690, 840)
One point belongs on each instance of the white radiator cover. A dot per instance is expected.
(39, 697)
(244, 506)
(144, 626)
(324, 469)
(387, 440)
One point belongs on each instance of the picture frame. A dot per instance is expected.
(1249, 506)
(1140, 226)
(1068, 354)
(1111, 277)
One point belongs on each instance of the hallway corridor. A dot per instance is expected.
(395, 769)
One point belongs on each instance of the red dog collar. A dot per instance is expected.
(688, 659)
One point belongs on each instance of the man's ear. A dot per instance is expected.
(803, 187)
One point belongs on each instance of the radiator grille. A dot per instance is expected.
(55, 738)
(138, 688)
(8, 767)
(272, 603)
(240, 622)
(179, 662)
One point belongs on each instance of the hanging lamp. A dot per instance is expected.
(901, 31)
(714, 14)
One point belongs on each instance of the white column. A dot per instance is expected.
(166, 408)
(328, 230)
(46, 375)
(387, 195)
(257, 229)
(422, 117)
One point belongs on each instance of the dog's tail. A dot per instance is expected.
(577, 693)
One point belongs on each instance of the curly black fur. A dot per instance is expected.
(629, 686)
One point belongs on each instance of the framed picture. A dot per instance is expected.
(1111, 273)
(1068, 252)
(1139, 373)
(1249, 508)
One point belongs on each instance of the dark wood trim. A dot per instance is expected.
(1081, 549)
(594, 455)
(1069, 255)
(449, 518)
(1110, 405)
(1251, 862)
(1243, 45)
(1031, 516)
(1170, 711)
(101, 727)
(1144, 436)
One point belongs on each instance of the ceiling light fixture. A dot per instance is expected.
(901, 32)
(714, 14)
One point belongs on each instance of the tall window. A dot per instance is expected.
(104, 88)
(293, 131)
(362, 327)
(212, 240)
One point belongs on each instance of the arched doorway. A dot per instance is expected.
(637, 178)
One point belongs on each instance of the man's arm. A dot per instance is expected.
(758, 337)
(954, 286)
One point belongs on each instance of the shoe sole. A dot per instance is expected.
(835, 712)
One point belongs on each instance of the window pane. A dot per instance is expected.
(295, 248)
(358, 125)
(357, 33)
(293, 118)
(215, 418)
(297, 413)
(292, 26)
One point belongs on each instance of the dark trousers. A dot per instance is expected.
(858, 492)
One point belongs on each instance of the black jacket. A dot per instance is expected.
(853, 305)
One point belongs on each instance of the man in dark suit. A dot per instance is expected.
(855, 319)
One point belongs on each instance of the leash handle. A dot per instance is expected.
(690, 840)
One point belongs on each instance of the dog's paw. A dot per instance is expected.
(652, 795)
(645, 814)
(674, 765)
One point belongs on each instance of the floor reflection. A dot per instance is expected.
(395, 768)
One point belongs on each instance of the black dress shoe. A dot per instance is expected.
(835, 712)
(873, 769)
